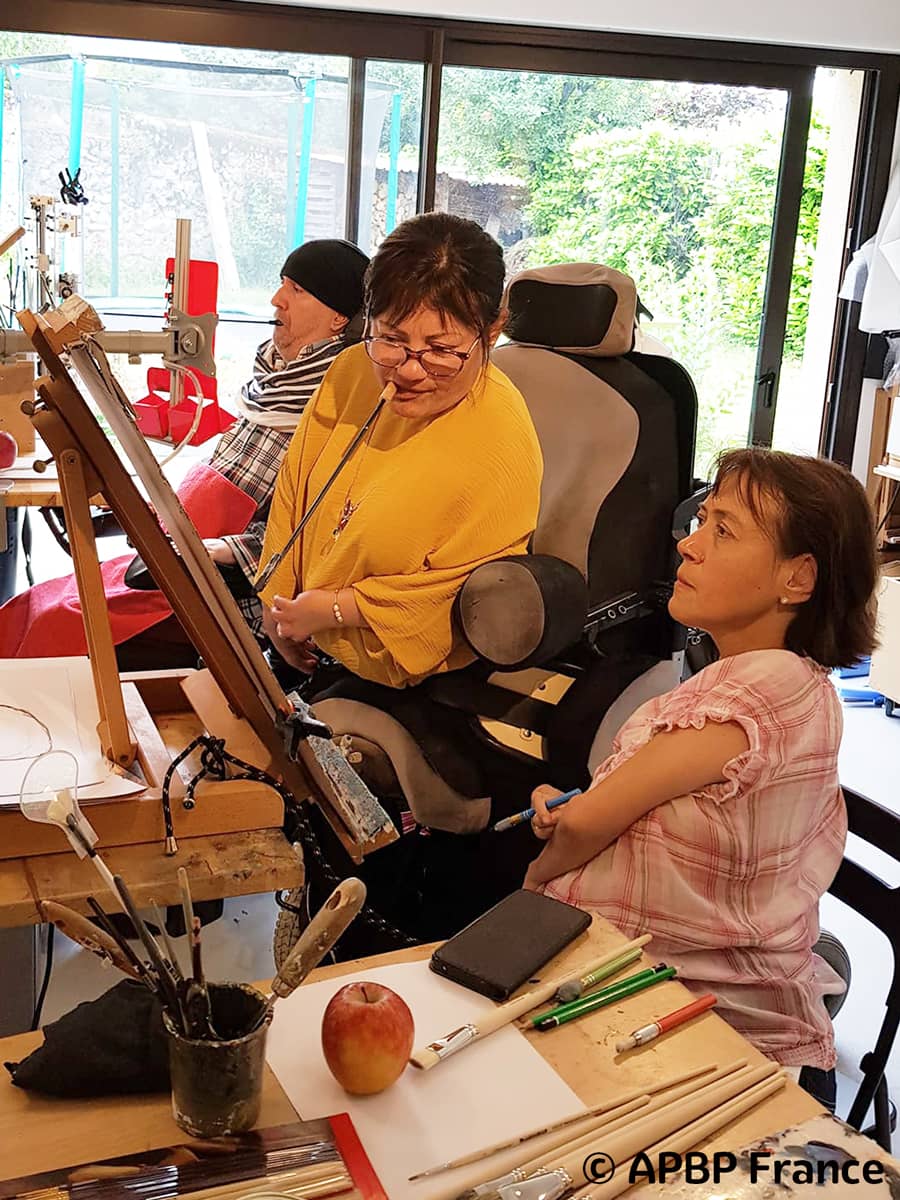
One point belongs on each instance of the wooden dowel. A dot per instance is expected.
(614, 1102)
(536, 1154)
(324, 1178)
(689, 1135)
(666, 1121)
(658, 1105)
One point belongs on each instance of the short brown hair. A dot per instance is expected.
(438, 261)
(822, 510)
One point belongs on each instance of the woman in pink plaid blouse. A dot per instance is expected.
(718, 822)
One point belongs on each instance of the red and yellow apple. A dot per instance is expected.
(8, 449)
(367, 1037)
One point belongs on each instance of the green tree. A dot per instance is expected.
(625, 196)
(738, 226)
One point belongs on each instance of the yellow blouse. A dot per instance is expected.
(434, 498)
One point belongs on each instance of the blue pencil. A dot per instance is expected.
(528, 813)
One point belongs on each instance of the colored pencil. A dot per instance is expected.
(527, 813)
(611, 990)
(588, 1004)
(647, 1033)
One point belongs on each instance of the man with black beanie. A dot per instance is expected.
(320, 294)
(316, 303)
(321, 291)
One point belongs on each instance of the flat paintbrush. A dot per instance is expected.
(488, 1022)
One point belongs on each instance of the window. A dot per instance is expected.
(674, 183)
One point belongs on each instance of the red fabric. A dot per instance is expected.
(46, 620)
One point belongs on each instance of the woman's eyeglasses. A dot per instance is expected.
(439, 364)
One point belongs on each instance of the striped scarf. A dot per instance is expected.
(279, 391)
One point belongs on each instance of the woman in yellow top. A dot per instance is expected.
(447, 477)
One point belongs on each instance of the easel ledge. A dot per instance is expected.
(162, 722)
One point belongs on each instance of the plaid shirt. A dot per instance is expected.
(249, 455)
(728, 879)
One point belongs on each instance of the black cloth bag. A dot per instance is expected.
(114, 1045)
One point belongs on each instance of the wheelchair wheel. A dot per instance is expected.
(832, 950)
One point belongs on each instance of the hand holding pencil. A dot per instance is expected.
(545, 799)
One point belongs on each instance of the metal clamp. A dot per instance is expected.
(193, 340)
(454, 1041)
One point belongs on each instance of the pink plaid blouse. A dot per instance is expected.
(728, 879)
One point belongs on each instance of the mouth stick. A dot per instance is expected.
(608, 1106)
(86, 933)
(388, 393)
(429, 1056)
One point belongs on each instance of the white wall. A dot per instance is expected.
(863, 25)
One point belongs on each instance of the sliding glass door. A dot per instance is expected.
(675, 183)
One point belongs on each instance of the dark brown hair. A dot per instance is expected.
(438, 261)
(822, 510)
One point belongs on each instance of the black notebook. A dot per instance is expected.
(499, 951)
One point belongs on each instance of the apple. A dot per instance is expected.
(367, 1037)
(9, 451)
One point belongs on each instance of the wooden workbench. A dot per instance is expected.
(231, 842)
(54, 1133)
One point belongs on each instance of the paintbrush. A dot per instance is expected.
(608, 1106)
(171, 956)
(196, 996)
(316, 940)
(187, 904)
(430, 1055)
(166, 983)
(107, 926)
(83, 931)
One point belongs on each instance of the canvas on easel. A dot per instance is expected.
(240, 684)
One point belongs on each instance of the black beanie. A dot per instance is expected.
(331, 270)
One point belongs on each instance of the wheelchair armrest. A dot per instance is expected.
(521, 611)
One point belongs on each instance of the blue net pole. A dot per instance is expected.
(393, 179)
(309, 111)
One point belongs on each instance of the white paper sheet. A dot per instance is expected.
(50, 704)
(489, 1091)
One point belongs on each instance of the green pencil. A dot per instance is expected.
(611, 990)
(587, 1004)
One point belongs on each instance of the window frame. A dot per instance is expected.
(363, 36)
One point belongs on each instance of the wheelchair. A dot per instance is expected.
(570, 638)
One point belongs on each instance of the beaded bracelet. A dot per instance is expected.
(336, 609)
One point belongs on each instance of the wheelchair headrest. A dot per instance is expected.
(579, 308)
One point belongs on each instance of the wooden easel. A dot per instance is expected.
(236, 698)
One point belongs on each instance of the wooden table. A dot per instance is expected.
(34, 491)
(53, 1133)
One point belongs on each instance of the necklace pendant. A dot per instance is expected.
(346, 513)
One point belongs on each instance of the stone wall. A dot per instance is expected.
(498, 207)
